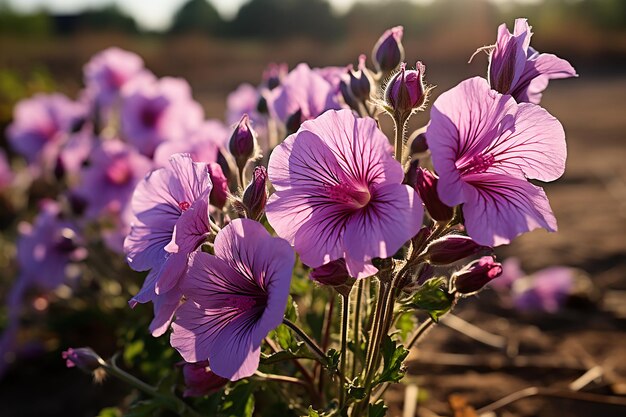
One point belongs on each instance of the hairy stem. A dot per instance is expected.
(345, 310)
(356, 327)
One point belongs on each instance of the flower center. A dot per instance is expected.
(149, 116)
(241, 303)
(354, 195)
(478, 164)
(184, 205)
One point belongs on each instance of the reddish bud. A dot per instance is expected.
(405, 91)
(84, 358)
(426, 187)
(334, 274)
(200, 380)
(220, 191)
(360, 84)
(255, 196)
(242, 142)
(476, 275)
(451, 248)
(388, 51)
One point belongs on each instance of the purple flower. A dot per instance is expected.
(426, 187)
(484, 147)
(155, 111)
(200, 380)
(545, 290)
(220, 192)
(109, 181)
(40, 125)
(303, 90)
(234, 299)
(108, 71)
(406, 92)
(388, 51)
(84, 358)
(170, 209)
(517, 69)
(339, 193)
(476, 275)
(203, 144)
(46, 247)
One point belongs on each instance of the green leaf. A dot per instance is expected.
(358, 393)
(133, 350)
(393, 358)
(379, 409)
(301, 352)
(332, 357)
(285, 338)
(238, 401)
(110, 412)
(433, 297)
(312, 412)
(292, 310)
(405, 324)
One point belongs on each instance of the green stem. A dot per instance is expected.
(345, 310)
(357, 324)
(281, 378)
(400, 123)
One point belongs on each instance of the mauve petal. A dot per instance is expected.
(193, 177)
(286, 212)
(392, 218)
(536, 146)
(503, 207)
(171, 272)
(508, 59)
(164, 308)
(194, 332)
(537, 72)
(192, 227)
(146, 293)
(144, 247)
(235, 355)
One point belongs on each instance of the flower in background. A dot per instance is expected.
(518, 70)
(109, 71)
(41, 124)
(303, 91)
(107, 184)
(200, 380)
(339, 193)
(155, 111)
(485, 147)
(170, 220)
(234, 299)
(203, 144)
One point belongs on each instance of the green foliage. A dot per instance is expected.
(110, 412)
(332, 360)
(238, 401)
(393, 358)
(433, 297)
(379, 409)
(405, 324)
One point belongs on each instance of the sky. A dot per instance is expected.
(157, 14)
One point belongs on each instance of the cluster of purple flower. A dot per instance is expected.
(345, 198)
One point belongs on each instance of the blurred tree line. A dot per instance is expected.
(270, 19)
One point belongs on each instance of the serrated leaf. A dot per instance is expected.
(379, 409)
(285, 338)
(433, 297)
(393, 361)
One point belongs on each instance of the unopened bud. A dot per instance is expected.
(360, 84)
(83, 358)
(476, 275)
(348, 98)
(220, 191)
(273, 75)
(405, 91)
(200, 380)
(334, 274)
(242, 143)
(426, 187)
(293, 122)
(418, 144)
(450, 249)
(255, 196)
(388, 51)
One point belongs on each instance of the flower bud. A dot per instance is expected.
(200, 380)
(84, 358)
(293, 122)
(405, 91)
(242, 142)
(418, 144)
(360, 84)
(450, 249)
(476, 275)
(426, 187)
(334, 274)
(273, 75)
(348, 98)
(388, 51)
(220, 191)
(255, 195)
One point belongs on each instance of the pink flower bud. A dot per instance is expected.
(405, 91)
(476, 275)
(348, 98)
(84, 358)
(255, 196)
(388, 51)
(243, 141)
(451, 248)
(200, 380)
(360, 85)
(220, 191)
(334, 274)
(426, 187)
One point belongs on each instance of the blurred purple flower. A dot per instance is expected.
(76, 150)
(170, 220)
(47, 246)
(339, 193)
(155, 111)
(108, 183)
(274, 74)
(40, 125)
(203, 144)
(109, 71)
(200, 380)
(234, 299)
(303, 90)
(485, 147)
(517, 69)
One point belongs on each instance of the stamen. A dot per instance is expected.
(354, 195)
(184, 205)
(478, 164)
